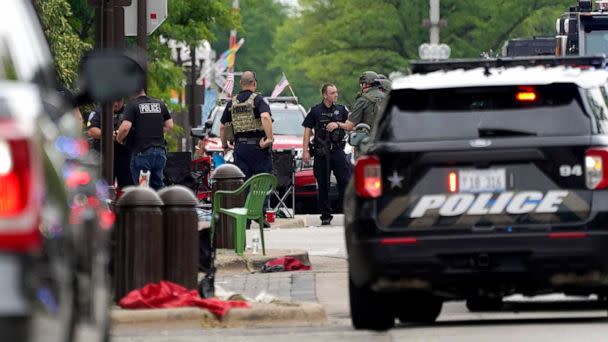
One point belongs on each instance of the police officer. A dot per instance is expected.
(385, 83)
(122, 155)
(249, 115)
(326, 121)
(367, 106)
(145, 122)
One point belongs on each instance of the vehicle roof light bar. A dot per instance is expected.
(423, 67)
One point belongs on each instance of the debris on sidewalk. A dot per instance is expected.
(284, 264)
(170, 295)
(262, 297)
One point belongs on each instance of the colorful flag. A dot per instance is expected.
(232, 41)
(278, 89)
(223, 62)
(174, 96)
(229, 86)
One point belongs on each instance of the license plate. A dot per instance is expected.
(482, 180)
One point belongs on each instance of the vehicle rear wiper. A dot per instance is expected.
(502, 132)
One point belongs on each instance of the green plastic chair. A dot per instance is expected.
(259, 186)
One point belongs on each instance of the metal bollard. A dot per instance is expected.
(227, 177)
(140, 246)
(181, 235)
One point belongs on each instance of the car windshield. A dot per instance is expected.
(464, 113)
(286, 121)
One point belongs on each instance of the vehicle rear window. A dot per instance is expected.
(463, 113)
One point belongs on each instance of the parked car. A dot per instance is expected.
(288, 132)
(54, 220)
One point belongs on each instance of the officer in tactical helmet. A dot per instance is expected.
(369, 104)
(327, 122)
(249, 116)
(145, 121)
(385, 83)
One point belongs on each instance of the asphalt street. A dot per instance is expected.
(548, 318)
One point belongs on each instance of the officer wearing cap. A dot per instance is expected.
(122, 155)
(249, 115)
(327, 122)
(145, 121)
(368, 106)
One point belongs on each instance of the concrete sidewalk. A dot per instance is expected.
(228, 262)
(279, 299)
(303, 221)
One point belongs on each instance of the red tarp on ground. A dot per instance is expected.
(284, 264)
(170, 295)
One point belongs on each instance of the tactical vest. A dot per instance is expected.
(322, 136)
(377, 98)
(149, 126)
(243, 117)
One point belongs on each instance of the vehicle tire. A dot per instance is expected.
(368, 309)
(476, 304)
(419, 307)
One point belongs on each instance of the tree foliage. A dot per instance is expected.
(337, 40)
(260, 20)
(191, 21)
(496, 22)
(65, 44)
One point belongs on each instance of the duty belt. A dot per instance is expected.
(248, 141)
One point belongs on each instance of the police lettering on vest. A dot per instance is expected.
(514, 203)
(148, 116)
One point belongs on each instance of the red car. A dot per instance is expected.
(288, 132)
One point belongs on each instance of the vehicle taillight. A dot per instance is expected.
(368, 181)
(596, 168)
(453, 182)
(15, 177)
(19, 214)
(526, 94)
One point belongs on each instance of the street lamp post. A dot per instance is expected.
(434, 50)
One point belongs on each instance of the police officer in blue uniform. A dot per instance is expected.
(249, 117)
(122, 155)
(327, 122)
(142, 129)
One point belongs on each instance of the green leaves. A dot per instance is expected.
(65, 44)
(194, 20)
(337, 40)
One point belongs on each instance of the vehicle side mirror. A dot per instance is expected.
(359, 136)
(109, 75)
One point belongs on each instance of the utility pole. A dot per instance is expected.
(433, 49)
(109, 33)
(107, 117)
(142, 33)
(192, 121)
(434, 24)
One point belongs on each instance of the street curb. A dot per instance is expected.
(274, 314)
(288, 223)
(176, 317)
(259, 315)
(226, 260)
